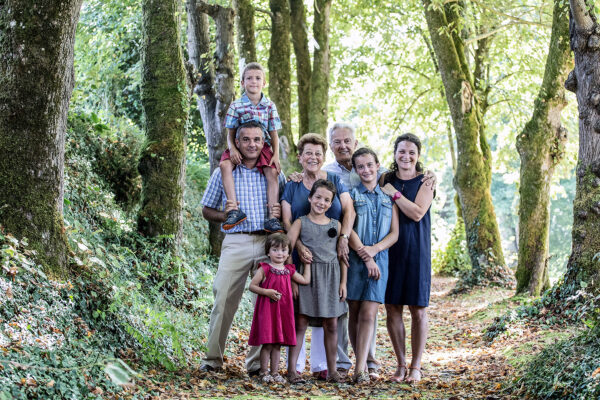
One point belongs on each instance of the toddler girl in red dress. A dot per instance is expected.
(273, 320)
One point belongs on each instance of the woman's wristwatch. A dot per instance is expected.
(343, 235)
(396, 196)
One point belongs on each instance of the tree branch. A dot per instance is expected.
(498, 29)
(414, 101)
(210, 9)
(414, 70)
(511, 17)
(262, 10)
(430, 49)
(582, 18)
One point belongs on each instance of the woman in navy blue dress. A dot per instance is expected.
(409, 278)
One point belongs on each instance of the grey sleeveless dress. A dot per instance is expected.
(321, 297)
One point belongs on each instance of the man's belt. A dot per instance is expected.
(261, 232)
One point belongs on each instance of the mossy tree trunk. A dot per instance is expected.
(541, 147)
(36, 81)
(451, 256)
(244, 18)
(279, 68)
(584, 81)
(473, 172)
(319, 83)
(303, 67)
(213, 81)
(165, 100)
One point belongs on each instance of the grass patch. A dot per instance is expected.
(498, 307)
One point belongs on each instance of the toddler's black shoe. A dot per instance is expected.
(234, 217)
(273, 225)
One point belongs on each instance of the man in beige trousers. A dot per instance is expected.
(244, 245)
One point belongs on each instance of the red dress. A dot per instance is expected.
(273, 321)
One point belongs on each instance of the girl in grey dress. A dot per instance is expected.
(325, 296)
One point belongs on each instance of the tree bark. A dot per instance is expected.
(473, 172)
(244, 18)
(481, 73)
(541, 147)
(303, 67)
(319, 84)
(36, 81)
(214, 82)
(584, 80)
(279, 67)
(165, 100)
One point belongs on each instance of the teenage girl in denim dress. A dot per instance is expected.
(375, 230)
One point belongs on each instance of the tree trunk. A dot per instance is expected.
(244, 18)
(165, 99)
(36, 81)
(541, 147)
(279, 67)
(584, 80)
(214, 82)
(319, 84)
(303, 68)
(473, 172)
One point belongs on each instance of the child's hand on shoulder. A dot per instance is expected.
(235, 156)
(275, 161)
(273, 294)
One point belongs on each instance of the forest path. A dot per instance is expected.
(458, 362)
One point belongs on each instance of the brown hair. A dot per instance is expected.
(253, 66)
(311, 138)
(361, 152)
(276, 240)
(407, 137)
(324, 183)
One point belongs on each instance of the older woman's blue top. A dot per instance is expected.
(373, 222)
(296, 194)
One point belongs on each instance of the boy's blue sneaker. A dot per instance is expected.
(234, 217)
(273, 225)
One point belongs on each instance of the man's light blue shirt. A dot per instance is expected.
(251, 192)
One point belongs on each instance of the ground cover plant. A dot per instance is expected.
(125, 299)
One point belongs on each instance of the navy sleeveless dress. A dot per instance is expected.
(409, 279)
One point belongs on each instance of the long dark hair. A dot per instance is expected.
(407, 137)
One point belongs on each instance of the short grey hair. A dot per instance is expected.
(342, 125)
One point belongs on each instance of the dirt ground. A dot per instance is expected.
(459, 363)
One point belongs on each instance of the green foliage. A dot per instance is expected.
(562, 304)
(143, 292)
(126, 298)
(113, 151)
(565, 370)
(49, 351)
(454, 259)
(107, 59)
